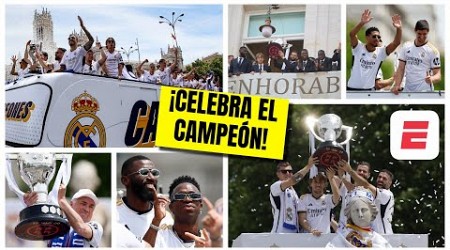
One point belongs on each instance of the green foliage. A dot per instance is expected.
(202, 68)
(418, 185)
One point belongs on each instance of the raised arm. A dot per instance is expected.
(160, 212)
(397, 23)
(89, 43)
(44, 66)
(365, 18)
(102, 60)
(333, 184)
(75, 220)
(359, 180)
(139, 68)
(13, 68)
(25, 55)
(295, 178)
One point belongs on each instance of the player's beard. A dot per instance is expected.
(142, 192)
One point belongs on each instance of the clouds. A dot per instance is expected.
(199, 34)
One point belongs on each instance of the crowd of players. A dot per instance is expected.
(419, 66)
(311, 213)
(242, 64)
(80, 59)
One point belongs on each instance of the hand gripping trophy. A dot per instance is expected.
(329, 151)
(44, 219)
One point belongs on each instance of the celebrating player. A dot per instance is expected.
(284, 199)
(419, 61)
(315, 207)
(136, 210)
(73, 58)
(384, 198)
(368, 57)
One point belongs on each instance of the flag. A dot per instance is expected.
(174, 37)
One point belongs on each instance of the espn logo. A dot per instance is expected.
(414, 135)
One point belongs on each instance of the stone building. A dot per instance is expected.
(43, 32)
(170, 55)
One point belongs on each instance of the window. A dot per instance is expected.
(286, 24)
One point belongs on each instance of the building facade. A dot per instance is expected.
(43, 32)
(311, 27)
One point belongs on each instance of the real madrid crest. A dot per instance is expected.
(85, 130)
(358, 240)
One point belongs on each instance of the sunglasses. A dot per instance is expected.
(184, 196)
(376, 36)
(286, 171)
(145, 171)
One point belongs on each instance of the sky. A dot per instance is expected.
(199, 34)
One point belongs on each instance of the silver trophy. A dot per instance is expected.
(329, 151)
(42, 220)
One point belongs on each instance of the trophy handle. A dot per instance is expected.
(348, 134)
(12, 184)
(311, 130)
(63, 176)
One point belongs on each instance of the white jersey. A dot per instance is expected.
(318, 211)
(419, 61)
(74, 59)
(365, 66)
(137, 223)
(73, 239)
(56, 65)
(164, 76)
(147, 77)
(284, 209)
(385, 205)
(93, 69)
(167, 238)
(112, 63)
(22, 72)
(178, 81)
(126, 239)
(191, 84)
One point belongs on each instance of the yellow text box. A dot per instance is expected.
(225, 123)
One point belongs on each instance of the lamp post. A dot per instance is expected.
(267, 29)
(139, 52)
(127, 52)
(172, 24)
